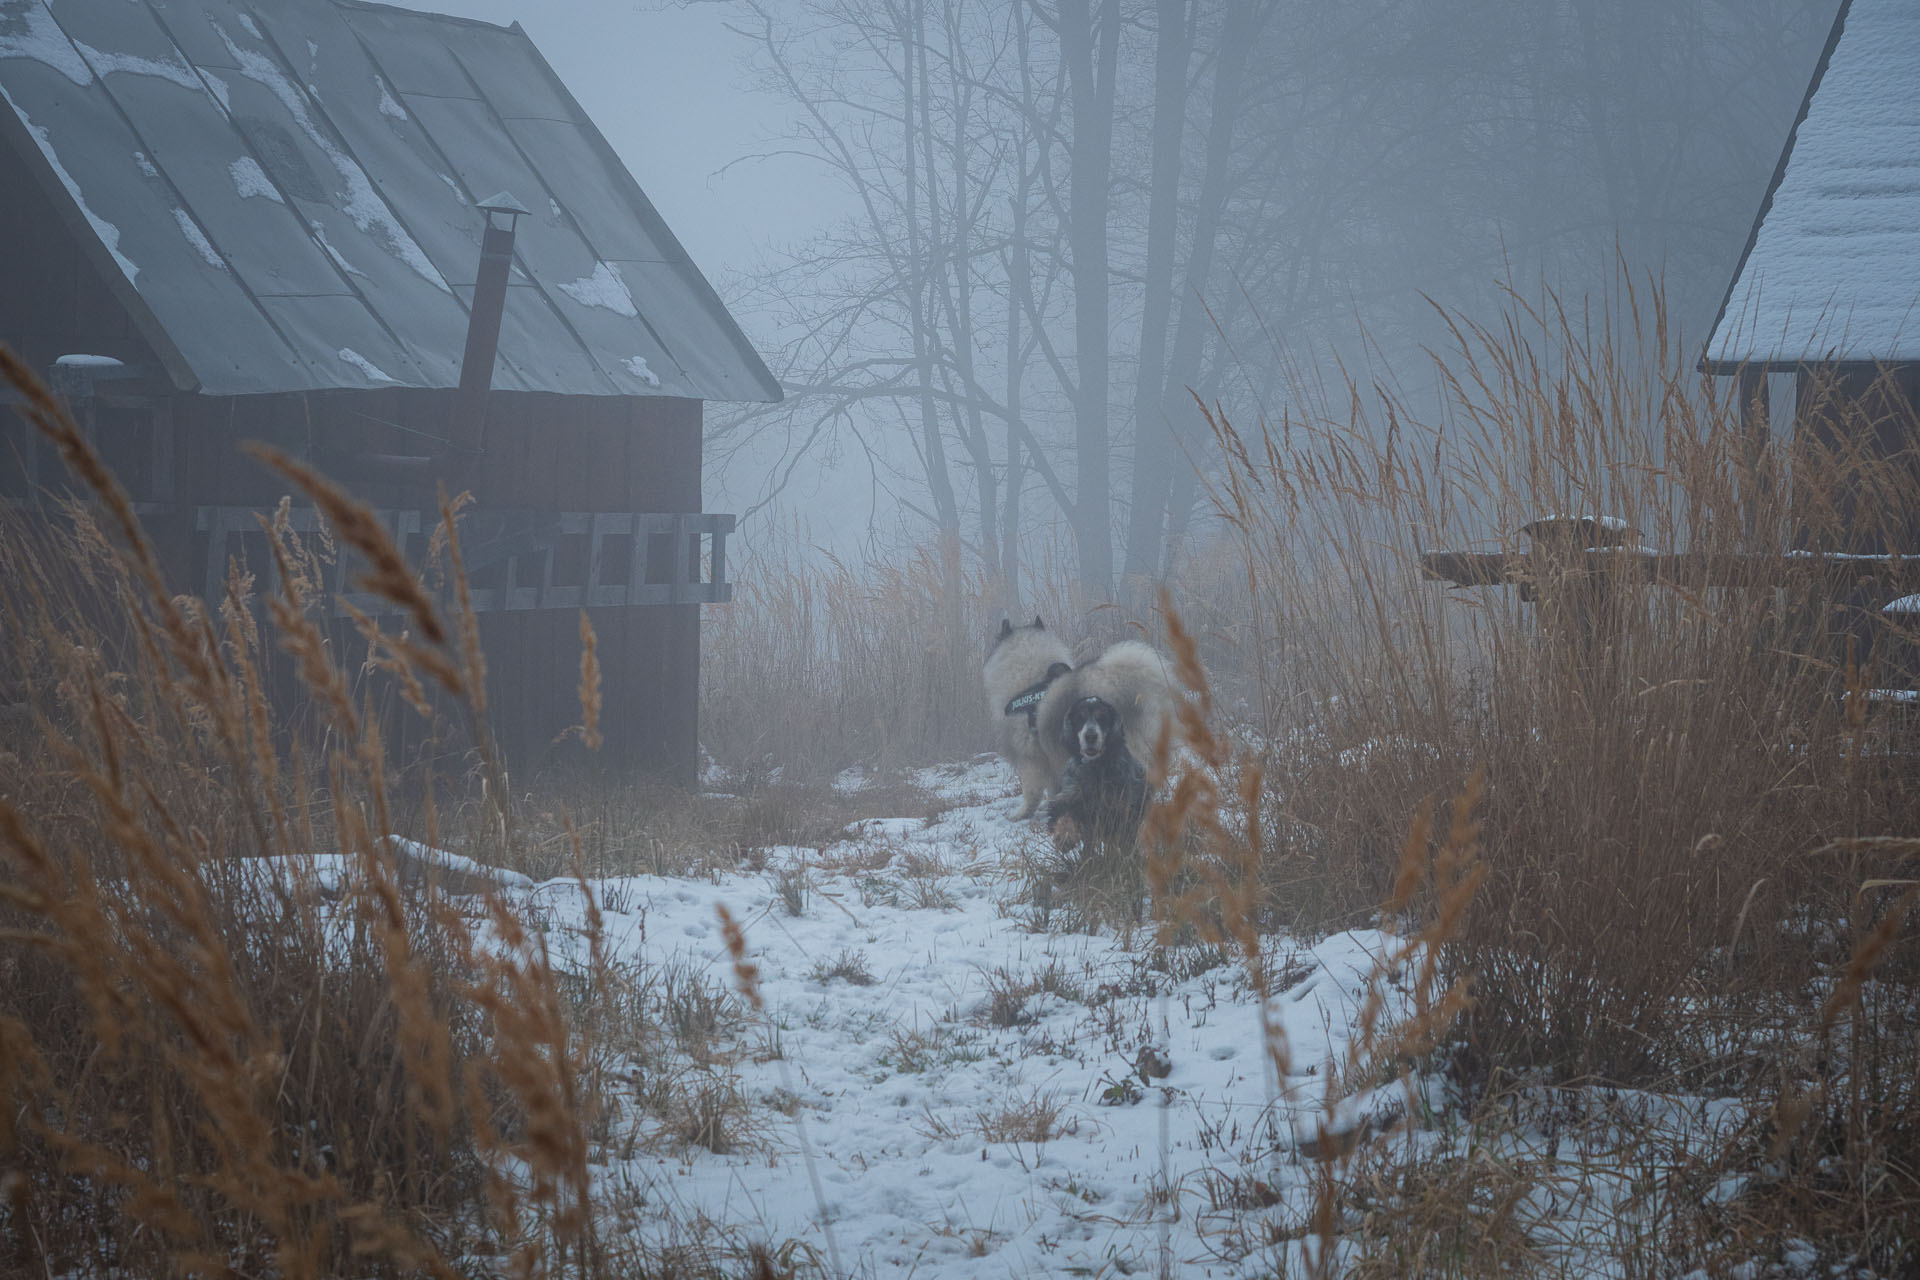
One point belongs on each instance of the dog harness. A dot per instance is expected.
(1028, 699)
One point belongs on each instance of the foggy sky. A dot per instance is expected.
(665, 85)
(1370, 122)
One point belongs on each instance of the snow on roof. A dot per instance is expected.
(284, 196)
(1831, 271)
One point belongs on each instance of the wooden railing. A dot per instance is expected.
(515, 560)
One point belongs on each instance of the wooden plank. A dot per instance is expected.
(507, 460)
(1756, 430)
(682, 711)
(549, 676)
(609, 445)
(1834, 572)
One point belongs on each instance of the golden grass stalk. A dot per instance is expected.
(388, 574)
(589, 684)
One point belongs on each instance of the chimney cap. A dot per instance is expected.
(502, 202)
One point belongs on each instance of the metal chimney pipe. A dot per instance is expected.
(468, 435)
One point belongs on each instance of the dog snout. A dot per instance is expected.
(1092, 741)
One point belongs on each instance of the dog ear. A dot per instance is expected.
(1006, 627)
(1039, 624)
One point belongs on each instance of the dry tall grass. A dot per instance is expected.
(1679, 765)
(219, 1052)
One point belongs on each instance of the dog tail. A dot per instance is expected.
(1134, 677)
(1131, 672)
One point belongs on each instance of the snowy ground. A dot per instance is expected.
(910, 1093)
(936, 1087)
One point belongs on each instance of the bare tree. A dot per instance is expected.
(1062, 197)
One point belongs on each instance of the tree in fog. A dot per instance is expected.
(1081, 218)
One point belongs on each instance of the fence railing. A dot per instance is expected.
(515, 560)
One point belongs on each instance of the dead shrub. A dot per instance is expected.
(850, 967)
(1008, 993)
(1040, 1116)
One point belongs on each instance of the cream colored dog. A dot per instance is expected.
(1021, 665)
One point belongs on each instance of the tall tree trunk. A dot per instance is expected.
(925, 246)
(1153, 452)
(939, 479)
(1239, 25)
(1019, 272)
(1090, 43)
(1017, 268)
(955, 282)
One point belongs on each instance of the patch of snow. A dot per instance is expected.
(363, 204)
(105, 63)
(250, 180)
(1612, 524)
(389, 105)
(1388, 747)
(32, 33)
(145, 165)
(81, 361)
(424, 856)
(246, 20)
(364, 365)
(975, 782)
(108, 233)
(197, 238)
(605, 289)
(339, 259)
(553, 206)
(216, 86)
(637, 366)
(893, 1079)
(1905, 604)
(413, 861)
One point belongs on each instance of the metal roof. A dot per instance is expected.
(284, 195)
(1831, 270)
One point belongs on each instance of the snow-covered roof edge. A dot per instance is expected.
(1766, 202)
(696, 279)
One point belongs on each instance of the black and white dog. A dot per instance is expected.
(1103, 799)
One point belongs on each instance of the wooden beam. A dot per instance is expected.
(1836, 572)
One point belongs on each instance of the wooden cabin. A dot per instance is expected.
(392, 244)
(1827, 291)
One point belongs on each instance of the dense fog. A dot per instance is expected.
(995, 250)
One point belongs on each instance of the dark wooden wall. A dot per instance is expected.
(1857, 463)
(543, 452)
(52, 303)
